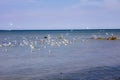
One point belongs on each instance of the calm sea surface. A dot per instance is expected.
(59, 54)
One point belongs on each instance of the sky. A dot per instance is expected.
(59, 14)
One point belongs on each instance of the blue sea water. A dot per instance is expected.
(44, 54)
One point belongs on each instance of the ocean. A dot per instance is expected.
(60, 54)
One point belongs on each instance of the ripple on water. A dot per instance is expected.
(98, 73)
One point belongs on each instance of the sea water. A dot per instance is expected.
(44, 54)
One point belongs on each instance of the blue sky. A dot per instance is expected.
(59, 14)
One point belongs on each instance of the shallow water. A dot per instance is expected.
(26, 55)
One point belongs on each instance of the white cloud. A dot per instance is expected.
(90, 2)
(16, 1)
(104, 13)
(112, 4)
(86, 13)
(31, 1)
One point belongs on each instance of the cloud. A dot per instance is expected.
(112, 4)
(109, 4)
(31, 1)
(90, 2)
(84, 13)
(96, 13)
(12, 2)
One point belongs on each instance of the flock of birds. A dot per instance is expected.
(38, 43)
